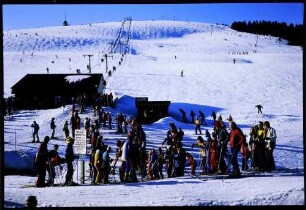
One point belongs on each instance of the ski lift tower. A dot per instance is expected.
(106, 56)
(89, 65)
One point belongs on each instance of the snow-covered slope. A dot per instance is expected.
(269, 74)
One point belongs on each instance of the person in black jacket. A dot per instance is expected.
(52, 126)
(35, 127)
(69, 155)
(41, 159)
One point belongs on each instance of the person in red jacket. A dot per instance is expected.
(213, 154)
(236, 140)
(192, 163)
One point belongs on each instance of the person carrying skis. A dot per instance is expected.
(236, 140)
(192, 163)
(35, 127)
(259, 108)
(202, 144)
(54, 160)
(52, 126)
(270, 140)
(119, 145)
(41, 159)
(197, 126)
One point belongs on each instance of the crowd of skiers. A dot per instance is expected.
(214, 156)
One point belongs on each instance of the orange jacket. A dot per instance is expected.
(236, 138)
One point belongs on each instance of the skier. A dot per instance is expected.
(106, 165)
(69, 155)
(54, 160)
(41, 159)
(270, 139)
(152, 165)
(35, 127)
(213, 154)
(119, 144)
(236, 139)
(66, 129)
(180, 135)
(222, 138)
(192, 114)
(260, 153)
(180, 158)
(52, 126)
(183, 114)
(192, 163)
(202, 144)
(213, 114)
(245, 153)
(197, 126)
(75, 123)
(182, 72)
(259, 107)
(230, 119)
(109, 117)
(160, 163)
(202, 118)
(98, 165)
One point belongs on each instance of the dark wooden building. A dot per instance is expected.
(43, 91)
(150, 111)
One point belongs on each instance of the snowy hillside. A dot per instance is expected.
(266, 71)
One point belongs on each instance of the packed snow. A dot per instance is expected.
(266, 71)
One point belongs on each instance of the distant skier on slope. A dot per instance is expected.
(259, 107)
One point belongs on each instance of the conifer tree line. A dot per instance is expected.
(294, 34)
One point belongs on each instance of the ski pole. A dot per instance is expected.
(220, 159)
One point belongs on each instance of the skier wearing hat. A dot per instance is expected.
(35, 127)
(202, 144)
(106, 165)
(69, 155)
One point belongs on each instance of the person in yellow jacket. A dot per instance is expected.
(202, 144)
(198, 126)
(260, 148)
(98, 165)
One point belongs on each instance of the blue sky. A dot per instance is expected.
(32, 16)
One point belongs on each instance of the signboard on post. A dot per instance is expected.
(80, 142)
